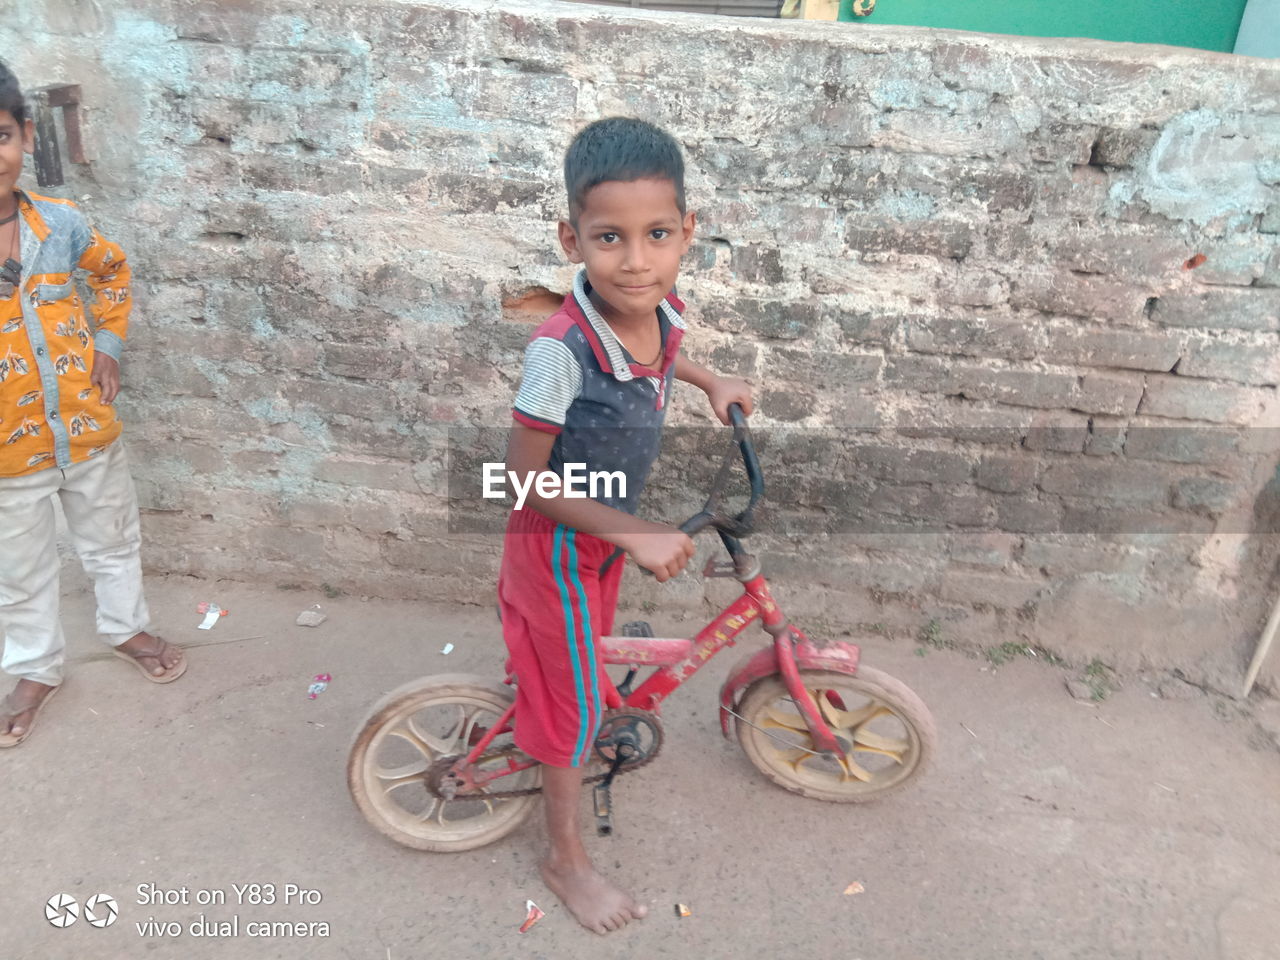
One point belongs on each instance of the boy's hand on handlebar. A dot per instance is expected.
(664, 551)
(723, 391)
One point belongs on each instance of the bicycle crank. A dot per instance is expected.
(628, 740)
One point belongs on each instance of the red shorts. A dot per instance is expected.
(555, 606)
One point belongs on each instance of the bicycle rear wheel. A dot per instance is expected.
(408, 731)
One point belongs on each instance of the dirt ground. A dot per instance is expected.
(1049, 828)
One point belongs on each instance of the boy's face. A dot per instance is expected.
(15, 140)
(630, 235)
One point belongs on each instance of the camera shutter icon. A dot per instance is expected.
(100, 910)
(61, 910)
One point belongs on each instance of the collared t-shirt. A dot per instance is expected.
(605, 409)
(50, 414)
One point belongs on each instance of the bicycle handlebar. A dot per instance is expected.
(711, 514)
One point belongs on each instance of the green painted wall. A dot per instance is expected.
(1184, 23)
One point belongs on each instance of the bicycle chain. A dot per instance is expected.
(446, 762)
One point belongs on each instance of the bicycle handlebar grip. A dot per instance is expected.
(738, 420)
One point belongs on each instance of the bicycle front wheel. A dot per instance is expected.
(891, 731)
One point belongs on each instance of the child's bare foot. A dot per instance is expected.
(597, 903)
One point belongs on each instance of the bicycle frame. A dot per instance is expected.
(677, 660)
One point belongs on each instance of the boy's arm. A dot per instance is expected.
(657, 547)
(721, 391)
(108, 277)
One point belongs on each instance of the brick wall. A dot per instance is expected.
(991, 393)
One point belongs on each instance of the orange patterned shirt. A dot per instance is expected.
(50, 414)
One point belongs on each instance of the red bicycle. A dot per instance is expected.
(434, 766)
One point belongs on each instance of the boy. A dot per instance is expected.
(597, 379)
(57, 437)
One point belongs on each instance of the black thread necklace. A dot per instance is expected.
(11, 269)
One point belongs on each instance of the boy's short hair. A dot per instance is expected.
(11, 95)
(620, 148)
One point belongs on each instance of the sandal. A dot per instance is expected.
(170, 675)
(8, 739)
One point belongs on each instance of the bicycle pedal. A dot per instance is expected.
(637, 628)
(603, 803)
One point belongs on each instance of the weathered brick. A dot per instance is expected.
(975, 66)
(929, 239)
(339, 397)
(1271, 220)
(1206, 495)
(1256, 362)
(1220, 309)
(734, 358)
(1106, 436)
(176, 372)
(934, 507)
(984, 549)
(378, 475)
(1061, 142)
(254, 463)
(1099, 346)
(1181, 443)
(1025, 515)
(1106, 393)
(1077, 556)
(1134, 255)
(442, 556)
(301, 510)
(1084, 195)
(929, 131)
(1079, 295)
(967, 285)
(757, 263)
(778, 319)
(1270, 277)
(848, 124)
(959, 419)
(282, 173)
(1121, 147)
(364, 362)
(789, 404)
(1058, 431)
(971, 337)
(1186, 399)
(1133, 521)
(1006, 474)
(796, 223)
(998, 191)
(1105, 480)
(847, 497)
(906, 465)
(1024, 388)
(1239, 259)
(867, 327)
(994, 589)
(285, 543)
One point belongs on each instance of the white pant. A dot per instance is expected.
(102, 514)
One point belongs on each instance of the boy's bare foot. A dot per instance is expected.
(18, 710)
(160, 660)
(597, 903)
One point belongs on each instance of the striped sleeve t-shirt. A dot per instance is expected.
(605, 410)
